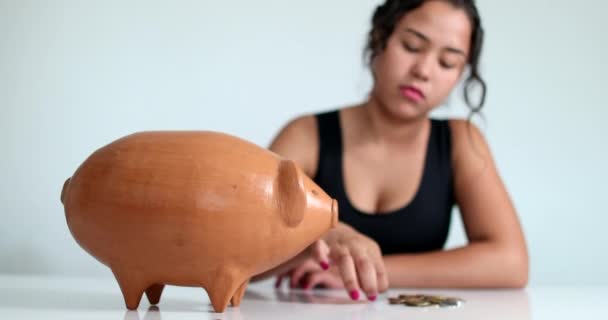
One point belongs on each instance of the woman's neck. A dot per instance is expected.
(382, 127)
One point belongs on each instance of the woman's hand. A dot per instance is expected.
(356, 258)
(310, 275)
(317, 259)
(359, 261)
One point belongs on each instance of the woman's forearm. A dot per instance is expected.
(478, 265)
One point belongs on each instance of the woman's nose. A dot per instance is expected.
(422, 67)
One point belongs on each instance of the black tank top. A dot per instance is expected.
(423, 224)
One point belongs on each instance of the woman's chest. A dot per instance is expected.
(379, 183)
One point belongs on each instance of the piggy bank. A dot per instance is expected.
(192, 208)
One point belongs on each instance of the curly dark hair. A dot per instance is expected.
(388, 15)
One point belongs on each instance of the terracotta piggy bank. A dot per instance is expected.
(196, 208)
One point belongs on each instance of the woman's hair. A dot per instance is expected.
(387, 16)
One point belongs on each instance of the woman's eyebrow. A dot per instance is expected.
(425, 38)
(417, 33)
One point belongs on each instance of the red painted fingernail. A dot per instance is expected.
(324, 265)
(372, 298)
(305, 285)
(354, 295)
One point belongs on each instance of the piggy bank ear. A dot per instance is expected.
(291, 196)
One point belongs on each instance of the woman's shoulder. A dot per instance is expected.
(465, 133)
(298, 140)
(470, 150)
(305, 126)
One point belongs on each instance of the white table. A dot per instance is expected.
(38, 297)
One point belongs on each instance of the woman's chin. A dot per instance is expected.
(408, 112)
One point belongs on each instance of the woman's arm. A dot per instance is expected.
(496, 255)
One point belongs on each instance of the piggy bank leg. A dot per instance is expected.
(132, 287)
(238, 295)
(222, 288)
(154, 292)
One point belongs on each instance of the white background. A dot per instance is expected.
(77, 74)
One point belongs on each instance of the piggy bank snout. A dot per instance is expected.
(334, 213)
(64, 190)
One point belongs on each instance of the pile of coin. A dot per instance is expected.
(421, 300)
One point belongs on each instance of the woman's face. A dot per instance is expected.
(423, 60)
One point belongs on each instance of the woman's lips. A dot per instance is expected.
(412, 93)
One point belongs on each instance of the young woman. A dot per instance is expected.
(397, 174)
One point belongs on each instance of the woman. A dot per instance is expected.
(397, 174)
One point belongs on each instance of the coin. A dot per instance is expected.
(421, 300)
(435, 299)
(451, 302)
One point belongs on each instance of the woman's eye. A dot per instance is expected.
(410, 47)
(446, 65)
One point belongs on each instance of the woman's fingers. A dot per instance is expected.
(342, 257)
(320, 253)
(366, 272)
(279, 281)
(361, 267)
(325, 279)
(382, 276)
(298, 274)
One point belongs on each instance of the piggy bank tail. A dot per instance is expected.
(64, 190)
